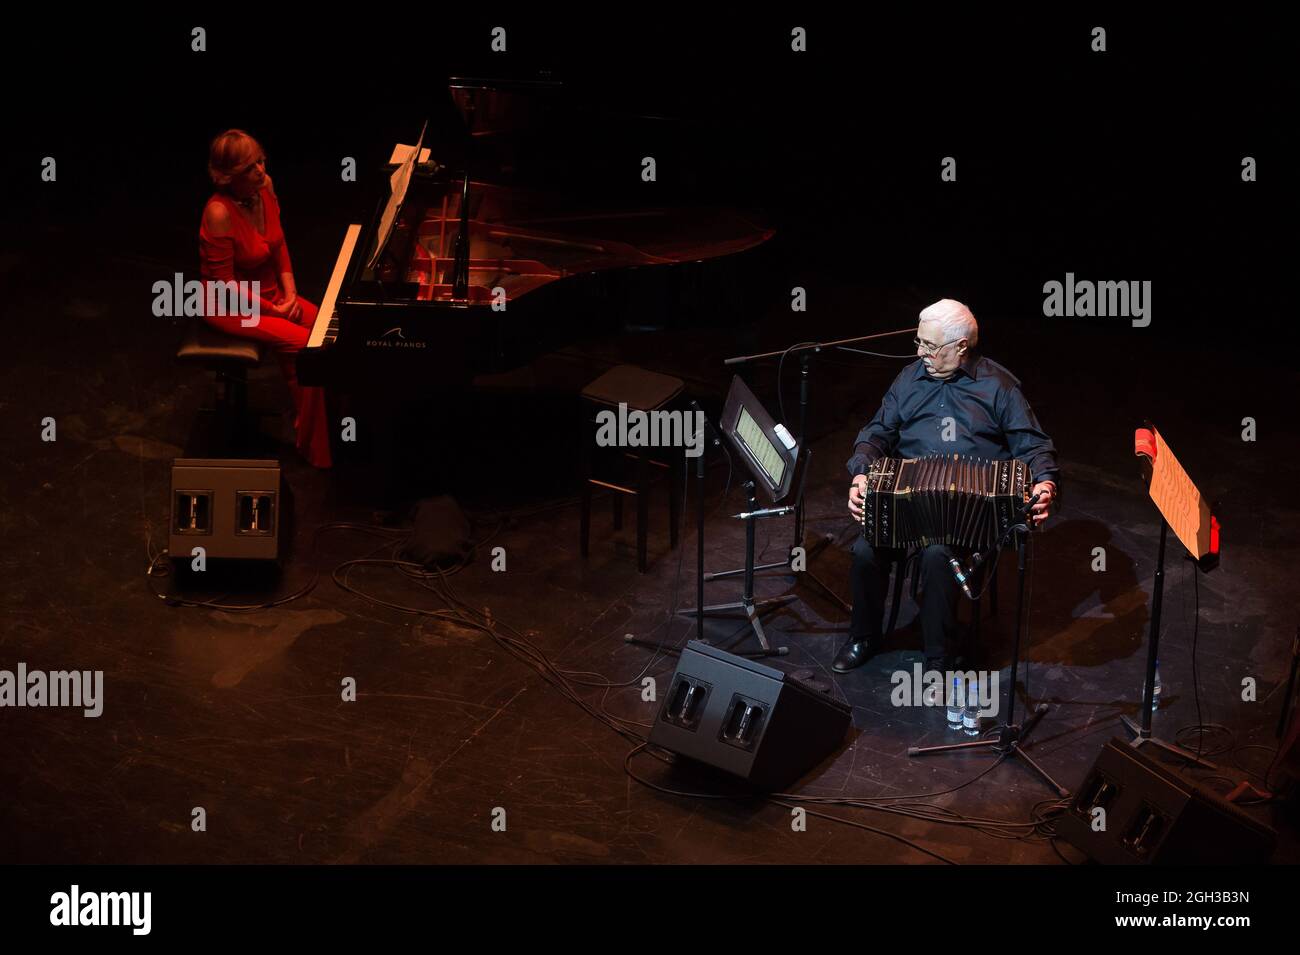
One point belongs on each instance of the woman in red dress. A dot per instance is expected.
(240, 239)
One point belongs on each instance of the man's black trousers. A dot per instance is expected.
(939, 592)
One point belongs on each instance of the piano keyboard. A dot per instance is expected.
(326, 327)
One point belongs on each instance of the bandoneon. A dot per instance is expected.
(952, 499)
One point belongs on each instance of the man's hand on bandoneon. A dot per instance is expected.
(855, 496)
(1048, 491)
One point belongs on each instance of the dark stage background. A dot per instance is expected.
(1124, 164)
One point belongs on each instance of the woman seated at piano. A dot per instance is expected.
(240, 239)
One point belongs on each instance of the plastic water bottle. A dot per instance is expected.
(1155, 690)
(956, 698)
(970, 721)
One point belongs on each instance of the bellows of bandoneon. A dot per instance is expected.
(952, 499)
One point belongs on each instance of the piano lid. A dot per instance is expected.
(542, 207)
(490, 106)
(520, 240)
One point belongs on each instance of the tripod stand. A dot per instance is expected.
(1142, 733)
(747, 605)
(1011, 737)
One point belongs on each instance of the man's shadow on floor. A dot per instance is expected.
(1083, 605)
(1075, 615)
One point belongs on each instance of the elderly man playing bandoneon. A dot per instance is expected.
(951, 400)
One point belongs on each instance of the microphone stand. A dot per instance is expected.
(963, 575)
(747, 605)
(1010, 738)
(711, 438)
(805, 353)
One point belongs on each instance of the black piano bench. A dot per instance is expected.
(228, 357)
(643, 391)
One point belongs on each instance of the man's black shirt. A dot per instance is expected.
(990, 419)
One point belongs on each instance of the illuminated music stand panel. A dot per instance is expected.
(752, 432)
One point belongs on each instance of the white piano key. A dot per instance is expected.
(327, 305)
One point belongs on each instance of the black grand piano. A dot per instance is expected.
(459, 275)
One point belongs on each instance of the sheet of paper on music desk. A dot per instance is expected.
(1179, 501)
(402, 152)
(398, 181)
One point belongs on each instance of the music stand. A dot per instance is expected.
(805, 351)
(770, 453)
(1179, 501)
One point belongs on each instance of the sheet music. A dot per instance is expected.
(1179, 501)
(765, 453)
(402, 152)
(398, 182)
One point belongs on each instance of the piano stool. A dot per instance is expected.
(910, 565)
(641, 390)
(228, 357)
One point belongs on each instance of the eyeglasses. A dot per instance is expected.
(929, 349)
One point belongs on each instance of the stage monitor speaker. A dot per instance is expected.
(1154, 816)
(232, 508)
(747, 719)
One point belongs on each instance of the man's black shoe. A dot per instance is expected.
(853, 654)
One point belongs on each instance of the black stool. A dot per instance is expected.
(228, 357)
(640, 390)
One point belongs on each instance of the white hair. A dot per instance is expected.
(954, 318)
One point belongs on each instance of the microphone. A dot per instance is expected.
(963, 574)
(765, 512)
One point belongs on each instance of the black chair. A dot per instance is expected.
(640, 390)
(910, 565)
(228, 357)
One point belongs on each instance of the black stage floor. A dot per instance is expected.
(242, 714)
